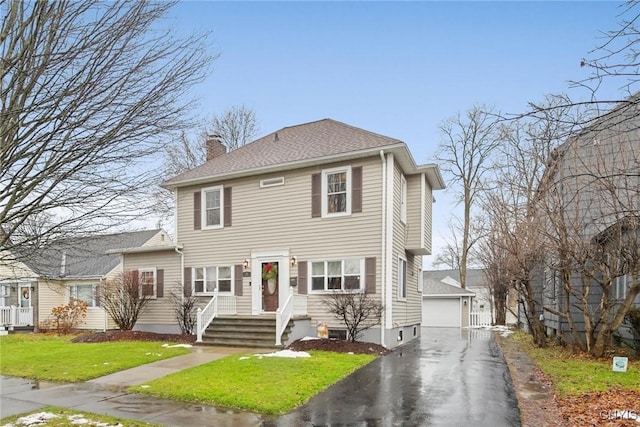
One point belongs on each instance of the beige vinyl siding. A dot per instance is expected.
(55, 293)
(10, 269)
(160, 238)
(159, 311)
(414, 209)
(279, 218)
(408, 311)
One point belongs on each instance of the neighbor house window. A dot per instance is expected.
(336, 191)
(621, 287)
(212, 202)
(5, 293)
(403, 199)
(336, 275)
(147, 278)
(84, 293)
(207, 279)
(402, 278)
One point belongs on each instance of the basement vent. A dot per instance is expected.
(272, 182)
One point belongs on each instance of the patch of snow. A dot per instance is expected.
(244, 358)
(309, 338)
(504, 331)
(37, 419)
(350, 352)
(145, 386)
(288, 354)
(177, 345)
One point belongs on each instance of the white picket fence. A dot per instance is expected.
(480, 318)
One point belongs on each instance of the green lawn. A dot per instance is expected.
(576, 374)
(53, 358)
(61, 417)
(270, 385)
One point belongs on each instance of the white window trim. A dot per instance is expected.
(403, 199)
(155, 281)
(93, 304)
(210, 293)
(325, 172)
(400, 296)
(203, 207)
(272, 182)
(325, 291)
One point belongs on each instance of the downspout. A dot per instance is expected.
(177, 249)
(384, 235)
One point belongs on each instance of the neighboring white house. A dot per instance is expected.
(33, 285)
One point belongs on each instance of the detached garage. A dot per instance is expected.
(444, 304)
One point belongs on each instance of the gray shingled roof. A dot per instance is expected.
(300, 143)
(432, 281)
(85, 256)
(433, 287)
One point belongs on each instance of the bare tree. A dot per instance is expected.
(235, 126)
(185, 305)
(125, 298)
(355, 309)
(90, 92)
(464, 154)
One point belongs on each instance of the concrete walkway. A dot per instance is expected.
(107, 395)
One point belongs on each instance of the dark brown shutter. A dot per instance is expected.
(97, 293)
(187, 282)
(197, 215)
(356, 189)
(370, 275)
(159, 283)
(227, 206)
(237, 279)
(316, 195)
(302, 277)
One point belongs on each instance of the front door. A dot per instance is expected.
(269, 286)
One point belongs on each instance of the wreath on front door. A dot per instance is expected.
(269, 271)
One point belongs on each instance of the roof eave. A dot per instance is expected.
(283, 166)
(144, 249)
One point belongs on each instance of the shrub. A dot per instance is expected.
(67, 317)
(355, 309)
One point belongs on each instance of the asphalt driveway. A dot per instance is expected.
(450, 377)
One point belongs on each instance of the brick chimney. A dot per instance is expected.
(214, 147)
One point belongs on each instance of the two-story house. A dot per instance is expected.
(588, 199)
(268, 230)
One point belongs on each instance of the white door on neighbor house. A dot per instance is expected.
(25, 296)
(5, 294)
(441, 312)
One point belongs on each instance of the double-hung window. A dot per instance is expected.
(336, 275)
(402, 278)
(207, 279)
(147, 279)
(212, 211)
(336, 191)
(84, 293)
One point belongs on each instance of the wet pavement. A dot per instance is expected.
(450, 377)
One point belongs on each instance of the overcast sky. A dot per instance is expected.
(397, 68)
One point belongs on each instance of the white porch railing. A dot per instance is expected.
(16, 316)
(205, 316)
(283, 316)
(480, 318)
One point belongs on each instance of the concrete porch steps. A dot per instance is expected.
(244, 331)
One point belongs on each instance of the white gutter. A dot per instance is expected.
(384, 235)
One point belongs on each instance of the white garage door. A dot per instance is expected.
(443, 312)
